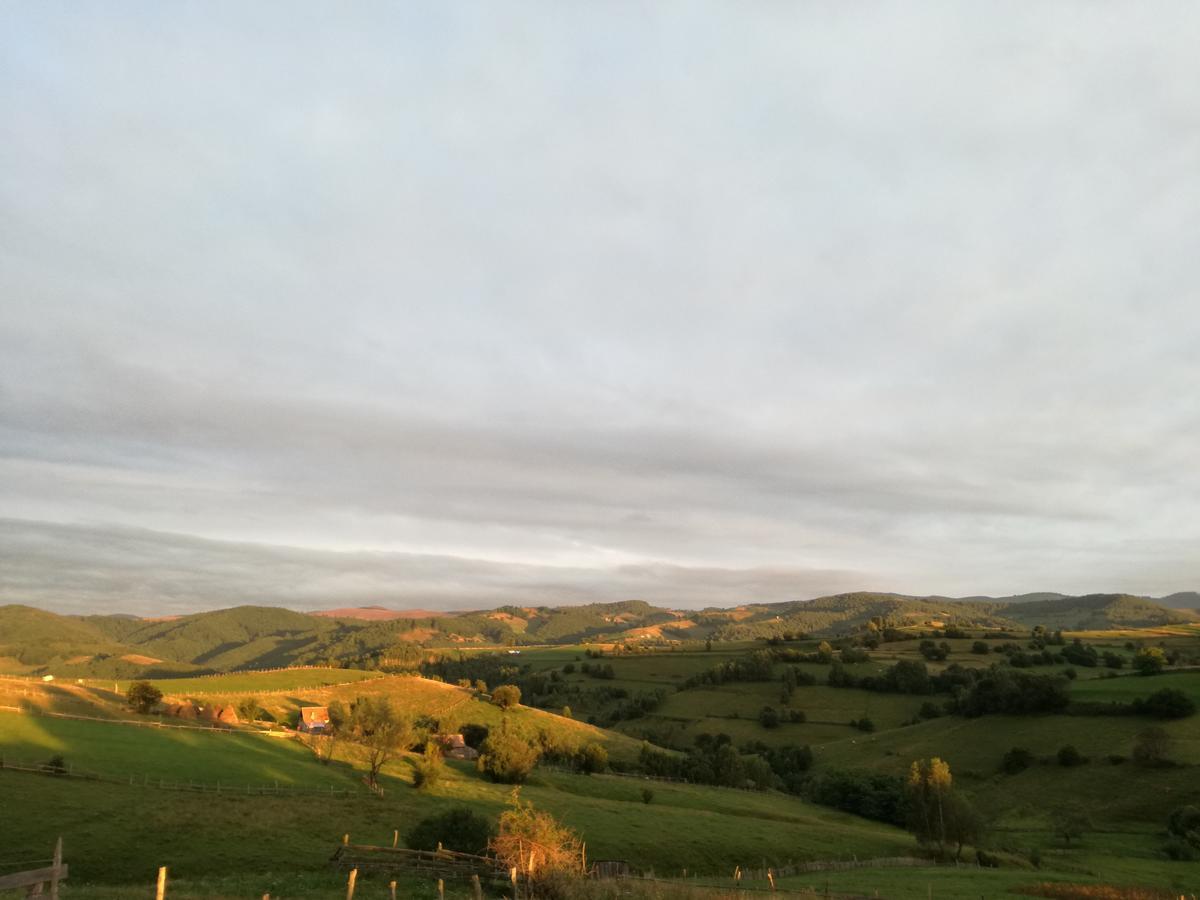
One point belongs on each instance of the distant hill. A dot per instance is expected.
(377, 613)
(1181, 600)
(256, 637)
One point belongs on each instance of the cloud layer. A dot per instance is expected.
(702, 302)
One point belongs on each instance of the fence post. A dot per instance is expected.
(395, 837)
(161, 890)
(441, 890)
(392, 888)
(350, 884)
(57, 869)
(475, 885)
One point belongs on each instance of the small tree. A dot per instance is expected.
(143, 696)
(1152, 747)
(1150, 660)
(457, 829)
(474, 735)
(507, 758)
(768, 717)
(382, 732)
(247, 709)
(647, 795)
(506, 696)
(1070, 823)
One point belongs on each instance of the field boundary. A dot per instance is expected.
(207, 729)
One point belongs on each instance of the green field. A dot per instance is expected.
(258, 682)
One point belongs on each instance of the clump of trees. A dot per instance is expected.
(939, 816)
(506, 696)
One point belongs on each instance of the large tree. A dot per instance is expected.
(383, 733)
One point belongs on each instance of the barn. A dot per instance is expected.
(313, 719)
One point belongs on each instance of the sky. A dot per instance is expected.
(454, 305)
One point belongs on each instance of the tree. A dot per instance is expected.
(247, 709)
(1150, 660)
(647, 795)
(506, 758)
(964, 824)
(382, 732)
(457, 829)
(592, 758)
(1167, 703)
(506, 696)
(929, 785)
(825, 651)
(1184, 823)
(143, 696)
(474, 735)
(1152, 747)
(1070, 823)
(768, 717)
(547, 854)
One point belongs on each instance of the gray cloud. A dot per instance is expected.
(883, 298)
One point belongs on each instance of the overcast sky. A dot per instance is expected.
(457, 304)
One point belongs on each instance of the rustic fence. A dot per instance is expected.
(69, 771)
(437, 863)
(35, 880)
(215, 728)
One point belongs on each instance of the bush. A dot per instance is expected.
(1180, 850)
(1069, 756)
(429, 767)
(592, 758)
(1168, 703)
(1018, 759)
(1184, 822)
(56, 765)
(1152, 747)
(980, 647)
(474, 735)
(507, 758)
(506, 696)
(142, 696)
(457, 829)
(863, 724)
(525, 832)
(797, 715)
(647, 795)
(929, 710)
(768, 717)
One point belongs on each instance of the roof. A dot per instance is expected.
(314, 714)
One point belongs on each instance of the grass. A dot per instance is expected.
(259, 682)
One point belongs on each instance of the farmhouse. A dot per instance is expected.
(455, 747)
(314, 719)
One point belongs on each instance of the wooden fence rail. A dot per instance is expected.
(439, 863)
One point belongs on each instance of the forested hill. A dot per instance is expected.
(34, 640)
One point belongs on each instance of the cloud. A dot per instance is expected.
(902, 293)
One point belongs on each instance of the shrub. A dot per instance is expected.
(457, 829)
(980, 647)
(142, 696)
(506, 696)
(1152, 747)
(507, 758)
(569, 668)
(647, 795)
(1018, 759)
(797, 715)
(929, 710)
(592, 758)
(429, 767)
(1035, 857)
(1069, 756)
(558, 851)
(1070, 822)
(1150, 660)
(1184, 822)
(247, 709)
(768, 717)
(1168, 703)
(474, 735)
(56, 765)
(863, 724)
(1179, 850)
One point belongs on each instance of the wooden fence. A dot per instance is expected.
(165, 784)
(435, 863)
(214, 728)
(35, 880)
